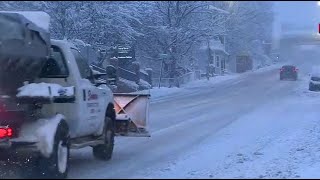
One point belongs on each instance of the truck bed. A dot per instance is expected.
(24, 49)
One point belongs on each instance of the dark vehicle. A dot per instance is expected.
(289, 72)
(243, 63)
(314, 83)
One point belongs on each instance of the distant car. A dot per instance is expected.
(314, 83)
(289, 72)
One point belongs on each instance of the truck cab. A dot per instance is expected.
(67, 67)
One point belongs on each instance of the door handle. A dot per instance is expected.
(84, 95)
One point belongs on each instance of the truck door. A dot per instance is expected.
(90, 105)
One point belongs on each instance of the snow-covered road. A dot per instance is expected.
(244, 126)
(235, 128)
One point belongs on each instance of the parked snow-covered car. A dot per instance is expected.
(314, 83)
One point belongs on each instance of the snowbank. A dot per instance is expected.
(163, 91)
(127, 86)
(212, 81)
(144, 84)
(44, 90)
(268, 68)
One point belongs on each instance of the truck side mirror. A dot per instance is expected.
(99, 82)
(98, 76)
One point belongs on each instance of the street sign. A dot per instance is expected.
(163, 56)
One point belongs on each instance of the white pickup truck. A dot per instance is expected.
(64, 107)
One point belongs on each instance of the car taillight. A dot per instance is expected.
(6, 132)
(9, 132)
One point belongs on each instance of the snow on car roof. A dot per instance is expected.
(39, 18)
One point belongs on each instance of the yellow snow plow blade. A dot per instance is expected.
(132, 114)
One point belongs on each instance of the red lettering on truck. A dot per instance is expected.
(92, 96)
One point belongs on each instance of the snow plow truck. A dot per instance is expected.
(51, 101)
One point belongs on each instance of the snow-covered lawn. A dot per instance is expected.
(212, 81)
(165, 91)
(278, 140)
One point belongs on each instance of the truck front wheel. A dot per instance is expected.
(104, 151)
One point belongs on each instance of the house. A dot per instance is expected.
(213, 54)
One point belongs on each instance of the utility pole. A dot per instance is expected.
(160, 73)
(162, 58)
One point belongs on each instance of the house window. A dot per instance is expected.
(211, 61)
(217, 61)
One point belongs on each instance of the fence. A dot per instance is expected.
(185, 78)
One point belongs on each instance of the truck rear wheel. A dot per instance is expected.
(104, 151)
(56, 166)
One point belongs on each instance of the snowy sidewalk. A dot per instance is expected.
(158, 93)
(278, 140)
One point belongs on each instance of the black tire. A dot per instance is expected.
(57, 165)
(104, 151)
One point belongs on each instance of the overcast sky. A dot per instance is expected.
(305, 14)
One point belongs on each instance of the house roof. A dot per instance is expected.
(214, 45)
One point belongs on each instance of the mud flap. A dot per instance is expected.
(132, 114)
